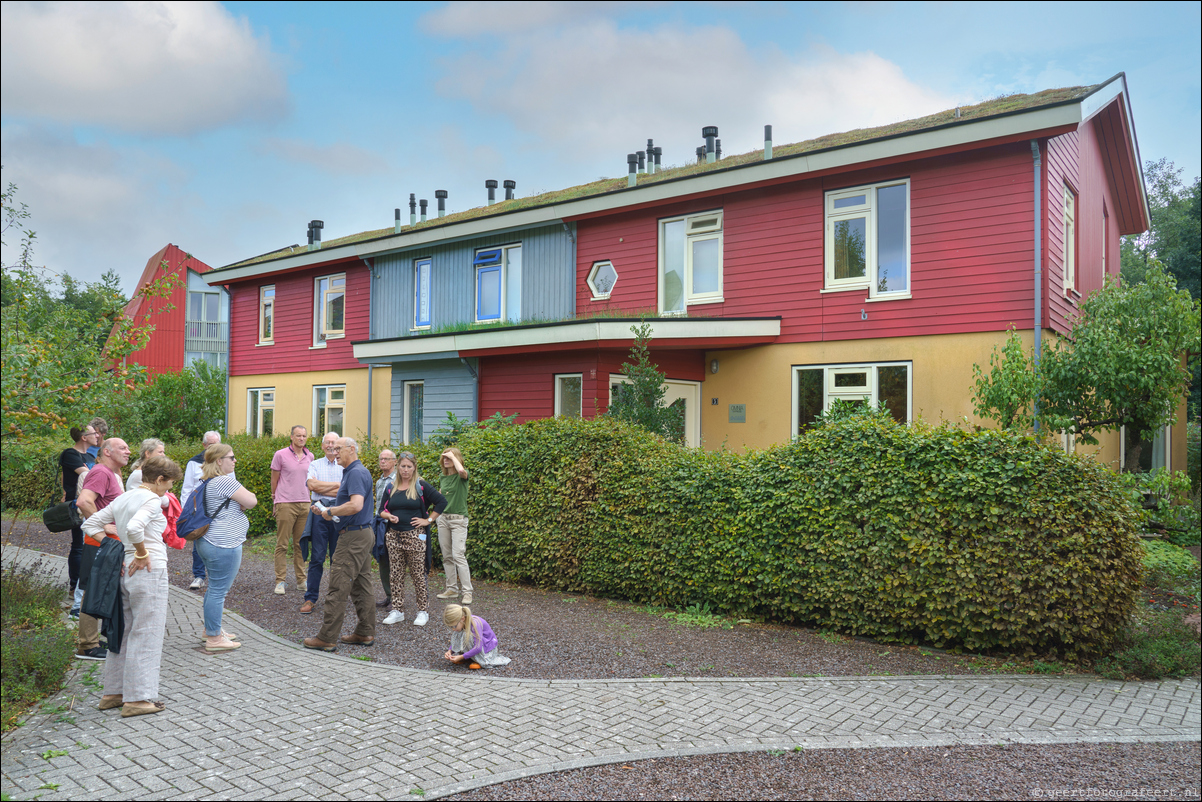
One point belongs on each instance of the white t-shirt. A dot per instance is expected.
(228, 529)
(139, 518)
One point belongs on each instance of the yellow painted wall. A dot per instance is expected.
(294, 399)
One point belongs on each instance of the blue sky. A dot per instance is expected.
(225, 127)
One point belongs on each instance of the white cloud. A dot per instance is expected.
(500, 18)
(592, 87)
(145, 68)
(341, 158)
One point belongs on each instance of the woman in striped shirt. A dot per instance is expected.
(221, 546)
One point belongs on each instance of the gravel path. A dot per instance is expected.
(567, 636)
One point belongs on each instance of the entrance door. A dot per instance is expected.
(677, 393)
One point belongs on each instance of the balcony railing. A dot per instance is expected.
(204, 335)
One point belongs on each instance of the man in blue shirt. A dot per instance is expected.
(350, 568)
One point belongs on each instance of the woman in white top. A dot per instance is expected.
(221, 545)
(131, 678)
(151, 447)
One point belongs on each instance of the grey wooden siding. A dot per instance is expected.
(449, 387)
(548, 281)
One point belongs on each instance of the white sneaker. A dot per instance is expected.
(197, 583)
(420, 620)
(395, 617)
(281, 588)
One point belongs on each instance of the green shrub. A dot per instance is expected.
(30, 478)
(1166, 503)
(37, 649)
(1154, 645)
(914, 534)
(1170, 568)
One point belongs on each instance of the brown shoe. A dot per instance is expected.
(111, 702)
(307, 607)
(320, 645)
(358, 640)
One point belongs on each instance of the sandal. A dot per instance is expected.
(109, 704)
(154, 707)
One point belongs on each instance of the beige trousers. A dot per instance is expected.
(290, 520)
(452, 540)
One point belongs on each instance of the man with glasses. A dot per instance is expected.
(290, 508)
(325, 477)
(350, 568)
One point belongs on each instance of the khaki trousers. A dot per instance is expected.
(452, 541)
(290, 519)
(350, 574)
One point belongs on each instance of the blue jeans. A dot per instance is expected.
(222, 565)
(323, 541)
(198, 566)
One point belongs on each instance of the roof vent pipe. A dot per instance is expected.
(510, 186)
(441, 194)
(315, 227)
(396, 222)
(658, 152)
(424, 203)
(718, 149)
(491, 186)
(412, 209)
(642, 154)
(700, 153)
(710, 132)
(650, 156)
(767, 142)
(957, 112)
(632, 165)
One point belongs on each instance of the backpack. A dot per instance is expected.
(172, 513)
(194, 521)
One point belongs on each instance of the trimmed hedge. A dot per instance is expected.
(914, 534)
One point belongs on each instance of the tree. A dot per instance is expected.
(1123, 364)
(56, 369)
(641, 402)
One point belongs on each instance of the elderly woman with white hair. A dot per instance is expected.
(151, 447)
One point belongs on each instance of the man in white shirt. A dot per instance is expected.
(325, 476)
(191, 481)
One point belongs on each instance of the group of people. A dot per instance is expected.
(327, 506)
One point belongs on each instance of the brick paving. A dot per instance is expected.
(274, 721)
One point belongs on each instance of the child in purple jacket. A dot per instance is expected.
(472, 639)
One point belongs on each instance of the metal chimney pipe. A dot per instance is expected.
(441, 194)
(658, 152)
(710, 132)
(700, 153)
(396, 221)
(423, 203)
(650, 156)
(632, 165)
(491, 186)
(718, 149)
(642, 160)
(315, 227)
(412, 209)
(510, 186)
(767, 142)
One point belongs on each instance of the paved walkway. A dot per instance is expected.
(275, 721)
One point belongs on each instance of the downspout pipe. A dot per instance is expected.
(1037, 156)
(369, 394)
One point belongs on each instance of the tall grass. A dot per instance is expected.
(37, 647)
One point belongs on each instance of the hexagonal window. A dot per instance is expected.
(602, 278)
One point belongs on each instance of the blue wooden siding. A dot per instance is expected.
(449, 387)
(548, 281)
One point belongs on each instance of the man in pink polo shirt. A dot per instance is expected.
(289, 469)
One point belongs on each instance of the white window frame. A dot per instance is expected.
(321, 333)
(559, 392)
(254, 412)
(330, 404)
(868, 210)
(423, 270)
(507, 314)
(204, 298)
(264, 303)
(695, 230)
(597, 295)
(406, 423)
(1069, 246)
(830, 393)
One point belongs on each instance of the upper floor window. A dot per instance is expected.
(868, 238)
(1070, 240)
(329, 313)
(816, 388)
(204, 306)
(499, 284)
(421, 294)
(267, 314)
(690, 261)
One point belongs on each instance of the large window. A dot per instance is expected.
(1070, 240)
(421, 294)
(690, 261)
(260, 411)
(414, 418)
(569, 395)
(329, 409)
(204, 306)
(816, 387)
(1140, 454)
(329, 312)
(266, 315)
(499, 284)
(868, 239)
